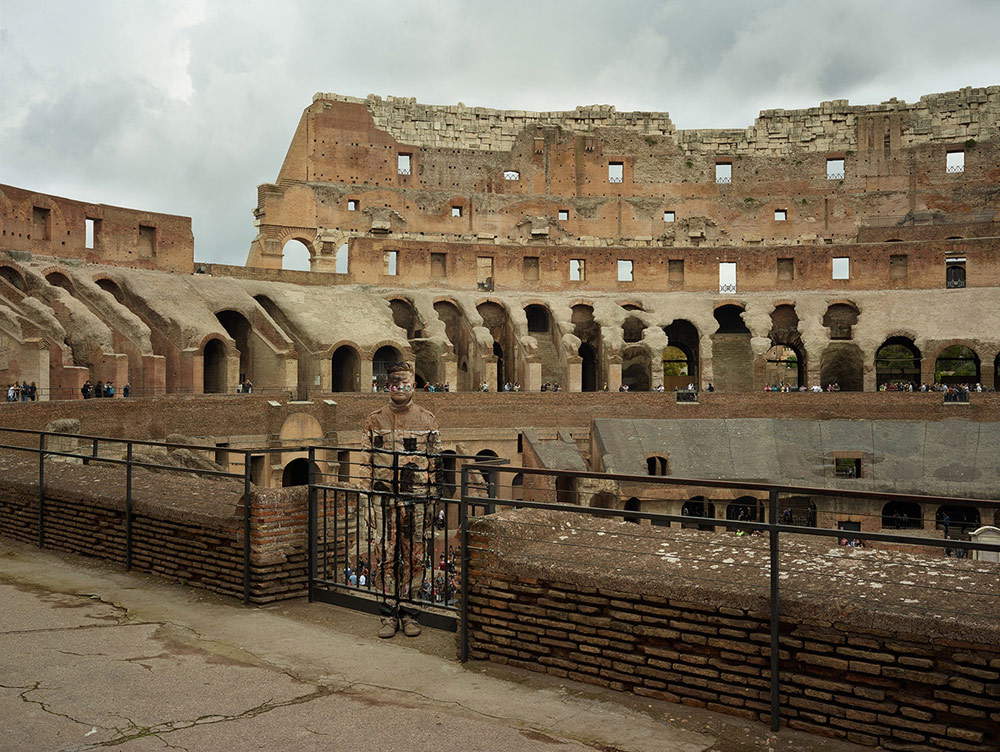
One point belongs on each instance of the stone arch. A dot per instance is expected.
(345, 367)
(497, 321)
(238, 326)
(957, 364)
(13, 276)
(382, 358)
(783, 366)
(657, 464)
(902, 515)
(745, 509)
(589, 333)
(298, 428)
(539, 318)
(632, 505)
(58, 279)
(425, 355)
(297, 254)
(296, 472)
(214, 367)
(458, 330)
(680, 364)
(698, 506)
(897, 360)
(588, 367)
(541, 327)
(732, 356)
(636, 368)
(957, 520)
(842, 363)
(632, 329)
(111, 287)
(841, 318)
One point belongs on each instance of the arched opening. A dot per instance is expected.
(732, 357)
(957, 520)
(841, 319)
(296, 473)
(58, 279)
(296, 256)
(489, 476)
(13, 276)
(897, 362)
(603, 500)
(902, 515)
(636, 369)
(110, 286)
(496, 320)
(589, 333)
(698, 506)
(565, 490)
(656, 465)
(448, 474)
(588, 367)
(214, 367)
(238, 327)
(341, 261)
(955, 275)
(384, 357)
(345, 368)
(680, 358)
(783, 367)
(425, 356)
(745, 509)
(459, 333)
(797, 510)
(843, 364)
(517, 487)
(632, 505)
(632, 329)
(957, 365)
(538, 318)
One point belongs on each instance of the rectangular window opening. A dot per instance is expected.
(439, 265)
(484, 272)
(511, 175)
(352, 204)
(835, 169)
(955, 161)
(616, 172)
(90, 228)
(563, 215)
(41, 223)
(898, 266)
(786, 269)
(842, 268)
(669, 216)
(530, 268)
(391, 259)
(341, 260)
(846, 467)
(780, 215)
(724, 172)
(675, 271)
(403, 164)
(955, 272)
(456, 211)
(727, 276)
(147, 240)
(577, 270)
(343, 466)
(624, 270)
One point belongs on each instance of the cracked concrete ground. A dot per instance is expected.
(93, 657)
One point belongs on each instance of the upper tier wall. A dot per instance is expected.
(54, 226)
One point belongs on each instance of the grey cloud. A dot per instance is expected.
(187, 107)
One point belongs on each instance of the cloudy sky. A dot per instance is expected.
(185, 106)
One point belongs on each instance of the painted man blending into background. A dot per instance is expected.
(400, 511)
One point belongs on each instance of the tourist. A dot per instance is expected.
(33, 391)
(87, 390)
(710, 387)
(109, 389)
(99, 389)
(127, 391)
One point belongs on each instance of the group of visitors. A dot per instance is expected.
(437, 387)
(105, 389)
(23, 392)
(815, 388)
(360, 576)
(909, 386)
(245, 386)
(516, 387)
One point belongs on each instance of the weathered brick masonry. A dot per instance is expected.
(186, 528)
(879, 675)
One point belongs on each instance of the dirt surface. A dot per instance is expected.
(93, 657)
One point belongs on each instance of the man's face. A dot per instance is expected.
(401, 387)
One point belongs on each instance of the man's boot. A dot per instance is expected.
(390, 625)
(410, 626)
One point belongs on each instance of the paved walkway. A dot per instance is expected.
(94, 657)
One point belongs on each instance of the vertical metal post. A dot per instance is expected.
(41, 490)
(463, 521)
(772, 514)
(311, 524)
(128, 505)
(247, 525)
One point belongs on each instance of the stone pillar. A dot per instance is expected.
(614, 376)
(574, 376)
(927, 367)
(449, 374)
(533, 377)
(232, 372)
(154, 376)
(321, 374)
(987, 368)
(366, 372)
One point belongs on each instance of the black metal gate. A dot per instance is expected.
(391, 538)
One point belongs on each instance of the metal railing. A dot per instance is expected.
(118, 452)
(754, 516)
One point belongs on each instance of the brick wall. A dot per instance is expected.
(858, 675)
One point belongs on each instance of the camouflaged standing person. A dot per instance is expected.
(401, 508)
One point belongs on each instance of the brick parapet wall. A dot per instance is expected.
(902, 683)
